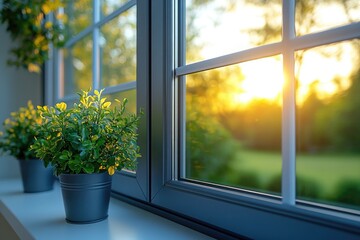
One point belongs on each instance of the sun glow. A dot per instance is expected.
(263, 79)
(326, 75)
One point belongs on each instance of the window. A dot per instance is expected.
(251, 109)
(230, 107)
(233, 100)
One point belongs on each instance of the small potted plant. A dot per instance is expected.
(86, 144)
(19, 134)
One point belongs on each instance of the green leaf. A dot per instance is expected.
(89, 168)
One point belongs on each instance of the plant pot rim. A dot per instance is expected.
(29, 159)
(82, 174)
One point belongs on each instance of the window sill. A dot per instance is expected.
(40, 215)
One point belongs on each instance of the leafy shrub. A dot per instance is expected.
(91, 137)
(20, 131)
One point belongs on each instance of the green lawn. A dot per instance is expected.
(327, 170)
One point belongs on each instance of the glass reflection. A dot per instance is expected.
(109, 6)
(233, 125)
(328, 129)
(318, 15)
(118, 49)
(249, 23)
(130, 95)
(79, 14)
(78, 66)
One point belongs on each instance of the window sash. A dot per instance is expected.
(287, 47)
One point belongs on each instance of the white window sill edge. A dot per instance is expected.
(42, 216)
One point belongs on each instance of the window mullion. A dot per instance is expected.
(181, 61)
(96, 46)
(288, 116)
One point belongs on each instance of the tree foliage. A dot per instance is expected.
(29, 26)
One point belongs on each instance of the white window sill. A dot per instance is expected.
(42, 216)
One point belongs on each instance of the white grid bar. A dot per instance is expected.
(343, 33)
(288, 186)
(96, 47)
(234, 58)
(120, 88)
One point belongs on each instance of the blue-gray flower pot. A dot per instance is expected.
(35, 177)
(86, 197)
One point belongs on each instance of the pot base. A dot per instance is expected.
(86, 222)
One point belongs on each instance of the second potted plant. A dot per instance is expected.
(20, 133)
(86, 144)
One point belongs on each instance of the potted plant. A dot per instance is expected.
(86, 144)
(19, 134)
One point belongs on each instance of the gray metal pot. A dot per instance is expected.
(35, 177)
(86, 197)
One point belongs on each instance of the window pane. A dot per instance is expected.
(318, 15)
(109, 6)
(328, 124)
(131, 97)
(118, 49)
(218, 27)
(79, 15)
(233, 125)
(78, 66)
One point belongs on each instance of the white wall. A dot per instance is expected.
(17, 86)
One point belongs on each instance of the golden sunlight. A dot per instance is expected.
(325, 70)
(263, 79)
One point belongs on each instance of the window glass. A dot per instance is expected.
(79, 14)
(328, 124)
(118, 49)
(130, 95)
(109, 6)
(233, 125)
(218, 27)
(318, 15)
(78, 66)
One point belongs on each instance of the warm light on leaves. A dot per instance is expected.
(33, 68)
(87, 138)
(111, 170)
(61, 106)
(32, 33)
(20, 130)
(106, 104)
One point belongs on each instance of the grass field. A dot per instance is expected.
(327, 170)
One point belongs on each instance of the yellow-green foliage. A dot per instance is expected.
(19, 132)
(33, 32)
(90, 137)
